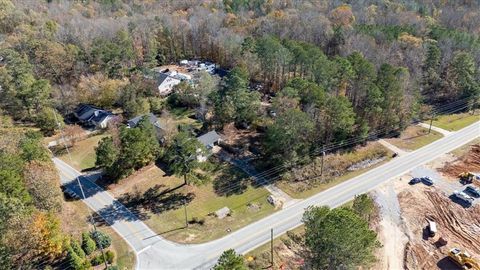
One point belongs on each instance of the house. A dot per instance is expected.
(166, 83)
(132, 123)
(167, 79)
(93, 116)
(209, 140)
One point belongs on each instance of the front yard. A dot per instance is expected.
(158, 199)
(82, 153)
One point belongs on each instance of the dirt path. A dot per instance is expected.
(392, 228)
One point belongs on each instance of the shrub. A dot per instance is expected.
(74, 261)
(97, 260)
(77, 249)
(109, 255)
(88, 245)
(101, 239)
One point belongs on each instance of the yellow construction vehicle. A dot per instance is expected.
(466, 177)
(463, 259)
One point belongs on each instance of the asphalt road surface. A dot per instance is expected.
(154, 252)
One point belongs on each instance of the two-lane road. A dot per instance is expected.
(154, 252)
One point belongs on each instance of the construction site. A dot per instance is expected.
(434, 226)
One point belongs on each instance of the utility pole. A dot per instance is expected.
(323, 156)
(271, 247)
(185, 210)
(431, 122)
(79, 184)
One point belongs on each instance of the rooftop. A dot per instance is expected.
(209, 138)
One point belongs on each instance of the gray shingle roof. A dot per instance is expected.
(209, 138)
(151, 117)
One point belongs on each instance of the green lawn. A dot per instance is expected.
(453, 122)
(165, 214)
(83, 153)
(207, 202)
(414, 137)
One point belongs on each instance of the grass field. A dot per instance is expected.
(75, 216)
(453, 122)
(414, 137)
(145, 194)
(336, 163)
(83, 153)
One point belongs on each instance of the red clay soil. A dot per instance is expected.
(469, 162)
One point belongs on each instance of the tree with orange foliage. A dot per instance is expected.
(46, 233)
(342, 16)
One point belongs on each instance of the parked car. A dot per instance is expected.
(427, 180)
(475, 191)
(463, 197)
(414, 181)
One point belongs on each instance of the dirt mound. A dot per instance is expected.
(466, 163)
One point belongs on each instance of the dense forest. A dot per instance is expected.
(331, 70)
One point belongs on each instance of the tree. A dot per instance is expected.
(32, 148)
(115, 57)
(42, 182)
(431, 71)
(72, 133)
(102, 239)
(11, 181)
(46, 232)
(235, 102)
(230, 260)
(389, 82)
(46, 120)
(461, 77)
(23, 95)
(77, 248)
(75, 261)
(88, 245)
(289, 137)
(139, 145)
(363, 205)
(99, 90)
(182, 157)
(338, 238)
(336, 119)
(106, 153)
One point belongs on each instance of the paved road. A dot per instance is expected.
(153, 252)
(126, 224)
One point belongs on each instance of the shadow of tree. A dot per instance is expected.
(231, 181)
(137, 206)
(156, 200)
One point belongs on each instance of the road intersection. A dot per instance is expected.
(155, 252)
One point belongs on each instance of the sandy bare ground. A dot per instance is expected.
(406, 210)
(392, 230)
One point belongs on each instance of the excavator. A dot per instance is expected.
(466, 177)
(463, 259)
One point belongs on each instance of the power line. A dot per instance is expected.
(78, 182)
